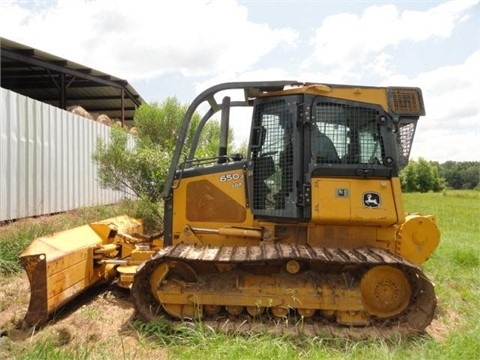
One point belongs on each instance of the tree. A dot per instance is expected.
(160, 123)
(461, 174)
(134, 167)
(139, 166)
(425, 180)
(408, 177)
(421, 176)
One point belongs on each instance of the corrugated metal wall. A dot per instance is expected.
(45, 159)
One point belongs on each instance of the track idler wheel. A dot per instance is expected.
(385, 291)
(173, 275)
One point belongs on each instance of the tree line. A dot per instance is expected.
(425, 176)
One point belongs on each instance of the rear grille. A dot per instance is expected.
(406, 101)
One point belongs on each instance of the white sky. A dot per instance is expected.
(178, 48)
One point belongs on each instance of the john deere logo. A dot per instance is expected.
(371, 199)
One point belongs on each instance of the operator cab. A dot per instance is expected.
(298, 137)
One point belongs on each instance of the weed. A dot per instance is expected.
(465, 258)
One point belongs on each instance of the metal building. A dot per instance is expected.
(45, 151)
(63, 83)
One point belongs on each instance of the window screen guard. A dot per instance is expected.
(275, 180)
(345, 134)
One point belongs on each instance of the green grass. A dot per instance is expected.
(12, 243)
(49, 350)
(217, 346)
(454, 266)
(188, 342)
(17, 235)
(454, 269)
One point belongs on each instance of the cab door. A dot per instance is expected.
(276, 158)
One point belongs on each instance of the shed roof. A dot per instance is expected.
(64, 83)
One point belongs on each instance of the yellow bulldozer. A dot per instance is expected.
(310, 224)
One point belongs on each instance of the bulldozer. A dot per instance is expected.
(310, 224)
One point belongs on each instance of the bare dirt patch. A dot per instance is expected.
(439, 330)
(99, 322)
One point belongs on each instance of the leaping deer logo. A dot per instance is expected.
(371, 199)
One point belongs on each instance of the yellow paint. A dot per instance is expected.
(370, 95)
(337, 201)
(418, 237)
(230, 186)
(68, 260)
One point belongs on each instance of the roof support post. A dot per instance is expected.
(63, 91)
(122, 105)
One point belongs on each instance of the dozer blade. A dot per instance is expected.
(62, 265)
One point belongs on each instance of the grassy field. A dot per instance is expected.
(455, 333)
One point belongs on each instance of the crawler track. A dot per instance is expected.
(337, 271)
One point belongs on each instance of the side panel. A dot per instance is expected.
(353, 201)
(212, 198)
(207, 200)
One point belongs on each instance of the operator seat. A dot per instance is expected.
(323, 148)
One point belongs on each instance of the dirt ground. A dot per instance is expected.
(99, 320)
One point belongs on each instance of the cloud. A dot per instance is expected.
(203, 43)
(347, 42)
(146, 38)
(451, 128)
(363, 48)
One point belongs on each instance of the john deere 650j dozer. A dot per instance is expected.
(310, 224)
